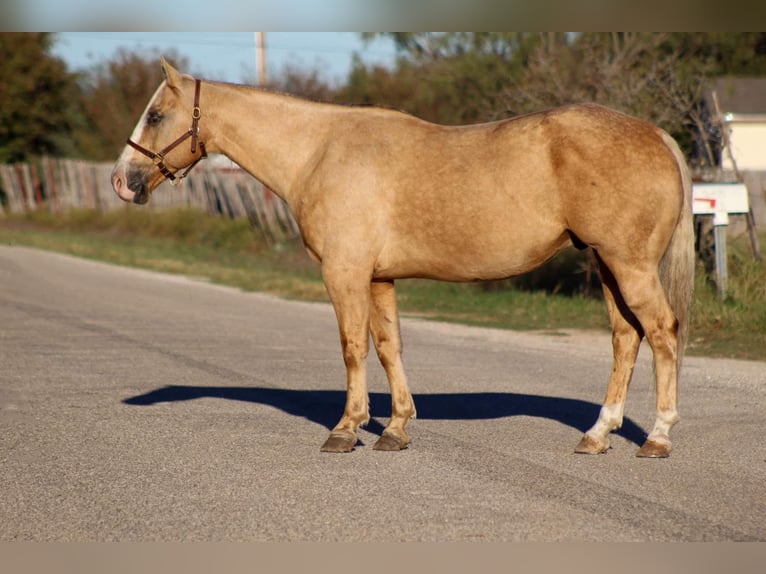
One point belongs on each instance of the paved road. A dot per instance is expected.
(143, 406)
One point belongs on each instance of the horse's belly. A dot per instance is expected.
(472, 259)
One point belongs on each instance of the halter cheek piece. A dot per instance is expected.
(159, 157)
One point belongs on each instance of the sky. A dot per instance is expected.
(231, 56)
(295, 15)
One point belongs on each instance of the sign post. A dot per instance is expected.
(720, 200)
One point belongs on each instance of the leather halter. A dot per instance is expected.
(193, 132)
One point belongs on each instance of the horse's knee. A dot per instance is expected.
(386, 338)
(354, 353)
(388, 351)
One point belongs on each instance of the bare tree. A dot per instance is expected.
(642, 74)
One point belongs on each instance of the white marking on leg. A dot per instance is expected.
(609, 418)
(661, 430)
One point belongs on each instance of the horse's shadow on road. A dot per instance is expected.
(324, 407)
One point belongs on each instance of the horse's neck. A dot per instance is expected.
(271, 136)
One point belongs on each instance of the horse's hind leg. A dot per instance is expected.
(626, 338)
(641, 290)
(349, 290)
(384, 327)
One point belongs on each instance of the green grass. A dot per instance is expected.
(229, 252)
(736, 325)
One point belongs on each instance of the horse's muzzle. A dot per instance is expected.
(130, 186)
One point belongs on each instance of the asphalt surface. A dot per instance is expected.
(143, 406)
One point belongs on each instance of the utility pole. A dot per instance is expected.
(260, 57)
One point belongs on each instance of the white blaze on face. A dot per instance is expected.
(119, 173)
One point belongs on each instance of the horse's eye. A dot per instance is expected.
(153, 118)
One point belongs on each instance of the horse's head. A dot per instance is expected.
(164, 141)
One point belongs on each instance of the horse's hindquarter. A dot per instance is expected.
(619, 183)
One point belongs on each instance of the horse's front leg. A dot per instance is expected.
(384, 327)
(349, 290)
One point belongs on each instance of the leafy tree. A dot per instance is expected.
(465, 77)
(424, 46)
(305, 83)
(38, 98)
(450, 77)
(461, 77)
(723, 53)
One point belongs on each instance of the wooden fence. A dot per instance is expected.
(59, 185)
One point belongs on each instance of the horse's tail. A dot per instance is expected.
(677, 264)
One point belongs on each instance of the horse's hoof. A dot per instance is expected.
(390, 442)
(339, 442)
(588, 445)
(654, 449)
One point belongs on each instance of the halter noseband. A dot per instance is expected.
(159, 157)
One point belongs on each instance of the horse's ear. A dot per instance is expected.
(172, 76)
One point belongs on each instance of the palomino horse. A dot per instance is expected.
(380, 195)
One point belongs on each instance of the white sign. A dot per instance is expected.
(719, 200)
